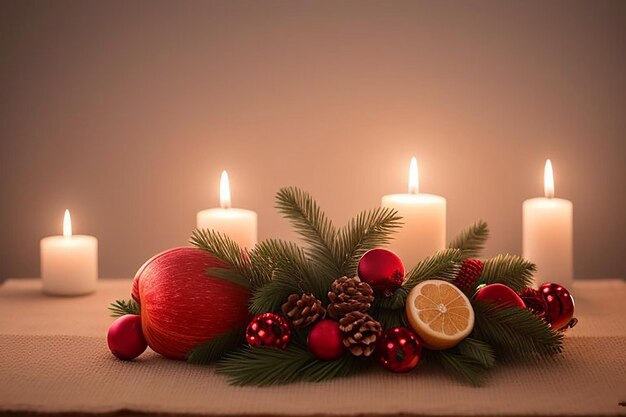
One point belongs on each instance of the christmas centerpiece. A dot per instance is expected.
(279, 313)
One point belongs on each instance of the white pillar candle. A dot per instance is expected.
(424, 221)
(548, 235)
(238, 224)
(69, 263)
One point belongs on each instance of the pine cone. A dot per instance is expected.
(303, 309)
(347, 295)
(360, 332)
(469, 274)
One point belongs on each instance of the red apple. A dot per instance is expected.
(499, 294)
(182, 306)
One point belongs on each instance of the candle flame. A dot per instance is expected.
(224, 190)
(67, 225)
(414, 179)
(548, 180)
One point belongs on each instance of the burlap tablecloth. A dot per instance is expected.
(53, 358)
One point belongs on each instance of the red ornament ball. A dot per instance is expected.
(468, 274)
(326, 341)
(382, 270)
(125, 337)
(268, 330)
(399, 349)
(534, 301)
(499, 294)
(183, 306)
(560, 305)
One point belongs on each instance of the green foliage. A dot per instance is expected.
(369, 229)
(214, 349)
(312, 224)
(262, 367)
(237, 267)
(514, 331)
(443, 265)
(470, 360)
(510, 270)
(471, 240)
(389, 317)
(120, 308)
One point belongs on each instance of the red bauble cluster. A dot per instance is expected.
(468, 274)
(560, 306)
(499, 294)
(534, 301)
(326, 341)
(399, 349)
(125, 337)
(268, 330)
(382, 270)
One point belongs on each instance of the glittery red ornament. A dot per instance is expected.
(125, 337)
(268, 330)
(326, 341)
(468, 274)
(499, 294)
(399, 349)
(560, 305)
(534, 302)
(382, 270)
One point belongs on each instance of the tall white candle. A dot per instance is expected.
(69, 263)
(238, 224)
(424, 221)
(548, 234)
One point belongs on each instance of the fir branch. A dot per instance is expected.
(262, 367)
(312, 224)
(214, 349)
(272, 295)
(228, 251)
(443, 265)
(369, 229)
(510, 270)
(471, 240)
(120, 308)
(515, 331)
(389, 318)
(463, 366)
(478, 350)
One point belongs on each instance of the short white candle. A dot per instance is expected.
(548, 235)
(424, 221)
(238, 224)
(69, 263)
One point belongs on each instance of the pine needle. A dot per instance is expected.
(238, 268)
(120, 308)
(464, 367)
(471, 240)
(510, 270)
(262, 367)
(369, 229)
(515, 331)
(214, 349)
(312, 224)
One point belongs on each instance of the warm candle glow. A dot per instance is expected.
(224, 190)
(67, 225)
(414, 180)
(548, 180)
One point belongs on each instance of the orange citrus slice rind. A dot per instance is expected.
(439, 313)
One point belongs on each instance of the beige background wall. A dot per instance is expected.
(127, 111)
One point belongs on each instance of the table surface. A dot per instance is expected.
(53, 358)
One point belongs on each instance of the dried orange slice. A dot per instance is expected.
(439, 313)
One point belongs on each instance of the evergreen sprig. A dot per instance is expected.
(120, 308)
(515, 331)
(214, 349)
(312, 224)
(471, 240)
(263, 367)
(510, 270)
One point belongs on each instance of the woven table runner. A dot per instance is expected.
(74, 373)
